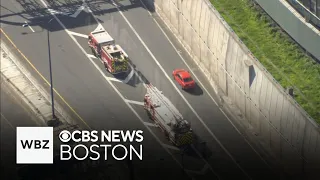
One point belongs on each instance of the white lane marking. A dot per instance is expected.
(135, 102)
(78, 34)
(129, 75)
(91, 56)
(8, 122)
(114, 79)
(186, 101)
(171, 147)
(185, 62)
(151, 124)
(29, 26)
(113, 86)
(78, 11)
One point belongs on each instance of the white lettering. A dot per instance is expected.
(94, 136)
(115, 136)
(135, 151)
(74, 134)
(105, 150)
(125, 149)
(62, 152)
(127, 135)
(95, 152)
(85, 136)
(75, 155)
(139, 134)
(106, 136)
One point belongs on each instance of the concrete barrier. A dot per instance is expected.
(282, 124)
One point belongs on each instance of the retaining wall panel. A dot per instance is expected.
(278, 111)
(211, 32)
(284, 119)
(297, 136)
(195, 44)
(205, 24)
(187, 34)
(166, 8)
(254, 116)
(214, 67)
(215, 39)
(204, 56)
(174, 16)
(302, 126)
(193, 11)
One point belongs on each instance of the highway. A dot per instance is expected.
(106, 103)
(13, 113)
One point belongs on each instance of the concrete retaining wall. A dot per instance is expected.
(284, 127)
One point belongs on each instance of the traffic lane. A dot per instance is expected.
(75, 79)
(14, 113)
(141, 58)
(99, 118)
(202, 104)
(103, 122)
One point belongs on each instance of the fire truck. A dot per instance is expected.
(112, 55)
(167, 117)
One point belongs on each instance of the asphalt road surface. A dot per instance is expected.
(104, 102)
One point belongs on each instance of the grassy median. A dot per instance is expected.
(280, 55)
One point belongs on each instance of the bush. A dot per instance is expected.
(280, 55)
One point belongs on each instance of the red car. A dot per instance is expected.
(184, 78)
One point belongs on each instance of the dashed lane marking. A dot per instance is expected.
(113, 86)
(77, 34)
(114, 79)
(29, 26)
(150, 124)
(134, 102)
(129, 75)
(182, 96)
(91, 56)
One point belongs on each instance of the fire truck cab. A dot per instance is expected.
(112, 55)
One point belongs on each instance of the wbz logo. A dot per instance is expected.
(34, 145)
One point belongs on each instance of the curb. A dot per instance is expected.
(32, 93)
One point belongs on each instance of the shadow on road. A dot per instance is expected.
(35, 13)
(197, 90)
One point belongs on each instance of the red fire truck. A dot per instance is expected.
(112, 55)
(167, 117)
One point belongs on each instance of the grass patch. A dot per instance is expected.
(280, 55)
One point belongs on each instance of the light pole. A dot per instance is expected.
(50, 71)
(55, 120)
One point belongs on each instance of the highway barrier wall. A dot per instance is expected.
(294, 24)
(283, 126)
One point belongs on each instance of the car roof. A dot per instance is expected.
(184, 74)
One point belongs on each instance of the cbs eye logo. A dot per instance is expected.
(65, 136)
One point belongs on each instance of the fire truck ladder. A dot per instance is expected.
(160, 98)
